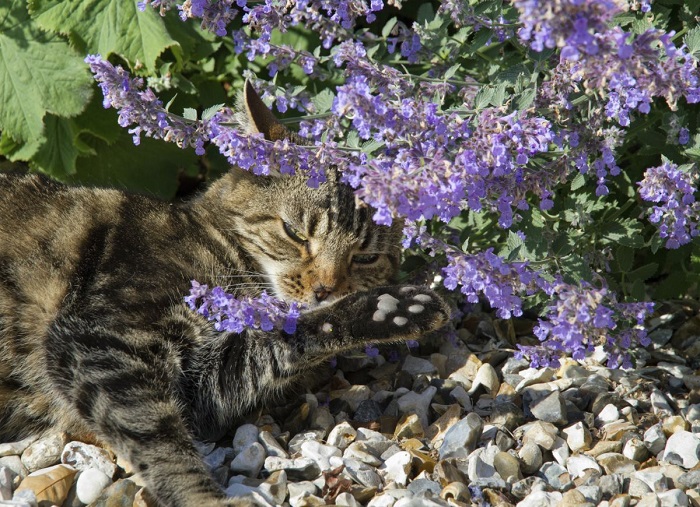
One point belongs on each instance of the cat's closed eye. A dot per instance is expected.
(294, 233)
(365, 258)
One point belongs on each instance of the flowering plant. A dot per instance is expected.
(542, 154)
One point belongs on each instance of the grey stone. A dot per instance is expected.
(487, 378)
(342, 435)
(45, 452)
(245, 435)
(523, 488)
(481, 470)
(682, 448)
(416, 366)
(27, 497)
(16, 448)
(611, 485)
(531, 457)
(297, 469)
(560, 451)
(14, 464)
(419, 404)
(635, 449)
(346, 500)
(542, 433)
(5, 483)
(610, 413)
(359, 472)
(368, 411)
(250, 460)
(592, 494)
(541, 499)
(690, 480)
(320, 453)
(271, 445)
(360, 450)
(424, 487)
(397, 468)
(556, 476)
(215, 458)
(638, 488)
(461, 439)
(294, 445)
(577, 465)
(321, 419)
(507, 466)
(655, 439)
(90, 484)
(673, 498)
(551, 408)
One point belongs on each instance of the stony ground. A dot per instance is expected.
(453, 424)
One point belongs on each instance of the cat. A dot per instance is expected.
(95, 338)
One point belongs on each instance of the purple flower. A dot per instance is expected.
(676, 211)
(235, 314)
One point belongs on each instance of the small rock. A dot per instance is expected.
(481, 470)
(368, 411)
(297, 469)
(611, 485)
(461, 439)
(424, 487)
(507, 466)
(216, 457)
(14, 465)
(294, 445)
(83, 456)
(654, 479)
(321, 419)
(353, 396)
(119, 494)
(682, 448)
(358, 471)
(271, 445)
(90, 484)
(605, 446)
(673, 424)
(531, 457)
(655, 439)
(416, 366)
(347, 500)
(360, 451)
(436, 431)
(616, 463)
(574, 498)
(541, 499)
(5, 483)
(246, 434)
(690, 480)
(551, 408)
(409, 426)
(556, 476)
(638, 488)
(275, 487)
(660, 404)
(577, 465)
(413, 403)
(609, 414)
(673, 498)
(560, 451)
(635, 450)
(45, 452)
(487, 378)
(250, 460)
(397, 468)
(462, 397)
(542, 433)
(16, 448)
(342, 435)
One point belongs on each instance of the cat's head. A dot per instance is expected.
(312, 245)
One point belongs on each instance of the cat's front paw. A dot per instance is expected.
(402, 312)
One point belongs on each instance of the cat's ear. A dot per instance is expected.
(259, 118)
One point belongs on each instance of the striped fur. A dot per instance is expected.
(96, 341)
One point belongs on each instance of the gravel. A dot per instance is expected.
(456, 423)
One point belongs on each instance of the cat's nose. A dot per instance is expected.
(322, 292)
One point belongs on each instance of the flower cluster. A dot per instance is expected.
(566, 24)
(140, 108)
(215, 15)
(676, 211)
(499, 281)
(583, 317)
(235, 314)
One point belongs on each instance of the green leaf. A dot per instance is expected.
(58, 154)
(107, 26)
(499, 95)
(644, 273)
(692, 40)
(623, 232)
(624, 257)
(211, 111)
(578, 181)
(189, 114)
(39, 73)
(323, 101)
(483, 97)
(386, 31)
(526, 98)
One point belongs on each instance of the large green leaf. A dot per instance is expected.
(107, 26)
(39, 73)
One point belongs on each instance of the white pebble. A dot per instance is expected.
(90, 484)
(400, 321)
(406, 290)
(423, 298)
(378, 316)
(416, 308)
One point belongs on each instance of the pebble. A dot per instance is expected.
(342, 435)
(271, 445)
(44, 452)
(359, 472)
(84, 456)
(246, 434)
(416, 366)
(418, 404)
(461, 439)
(507, 466)
(655, 439)
(397, 468)
(541, 499)
(296, 469)
(15, 448)
(361, 451)
(14, 465)
(577, 465)
(550, 408)
(250, 460)
(531, 456)
(5, 483)
(319, 453)
(90, 484)
(682, 448)
(487, 378)
(481, 470)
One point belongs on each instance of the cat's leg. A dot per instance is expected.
(125, 390)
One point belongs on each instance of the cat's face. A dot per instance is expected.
(313, 245)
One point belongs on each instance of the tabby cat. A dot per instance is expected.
(95, 338)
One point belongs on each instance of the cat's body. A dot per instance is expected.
(95, 337)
